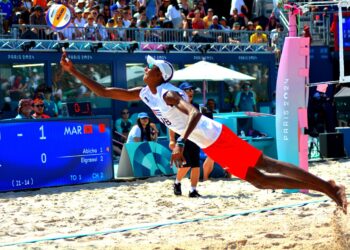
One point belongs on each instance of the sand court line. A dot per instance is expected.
(161, 224)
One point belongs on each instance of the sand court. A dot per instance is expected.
(116, 215)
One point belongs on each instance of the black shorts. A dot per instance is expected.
(191, 154)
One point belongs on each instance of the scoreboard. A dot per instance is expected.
(55, 152)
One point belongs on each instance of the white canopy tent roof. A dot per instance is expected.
(207, 71)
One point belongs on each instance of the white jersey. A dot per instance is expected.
(204, 134)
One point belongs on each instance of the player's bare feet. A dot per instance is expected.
(340, 195)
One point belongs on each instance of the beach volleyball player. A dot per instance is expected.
(217, 141)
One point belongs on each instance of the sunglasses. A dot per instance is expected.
(190, 89)
(125, 113)
(150, 66)
(39, 105)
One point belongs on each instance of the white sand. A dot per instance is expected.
(103, 206)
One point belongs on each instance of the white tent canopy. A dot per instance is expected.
(207, 71)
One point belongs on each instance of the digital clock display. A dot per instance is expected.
(54, 152)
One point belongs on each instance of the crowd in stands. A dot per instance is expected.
(107, 20)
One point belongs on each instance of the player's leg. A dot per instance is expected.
(292, 177)
(208, 166)
(181, 173)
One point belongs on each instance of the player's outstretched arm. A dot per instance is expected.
(98, 89)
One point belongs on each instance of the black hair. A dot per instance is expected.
(145, 133)
(175, 4)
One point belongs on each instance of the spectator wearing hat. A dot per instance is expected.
(223, 22)
(215, 25)
(258, 36)
(24, 109)
(80, 5)
(79, 23)
(86, 14)
(246, 99)
(143, 130)
(235, 36)
(191, 153)
(38, 108)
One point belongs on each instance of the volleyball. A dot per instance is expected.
(58, 16)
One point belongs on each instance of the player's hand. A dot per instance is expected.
(172, 145)
(177, 157)
(66, 64)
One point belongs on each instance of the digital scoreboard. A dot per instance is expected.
(55, 152)
(346, 31)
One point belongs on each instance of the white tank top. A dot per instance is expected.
(204, 134)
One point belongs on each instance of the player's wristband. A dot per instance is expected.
(180, 142)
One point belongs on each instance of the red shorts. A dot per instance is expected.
(233, 153)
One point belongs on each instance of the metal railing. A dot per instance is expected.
(131, 40)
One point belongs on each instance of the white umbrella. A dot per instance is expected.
(206, 71)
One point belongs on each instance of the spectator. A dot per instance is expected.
(185, 7)
(144, 130)
(208, 19)
(235, 36)
(79, 22)
(80, 5)
(25, 32)
(120, 29)
(199, 6)
(306, 32)
(197, 21)
(106, 12)
(50, 107)
(70, 32)
(277, 38)
(246, 99)
(6, 7)
(191, 153)
(258, 36)
(86, 13)
(173, 13)
(38, 18)
(38, 108)
(235, 18)
(208, 163)
(223, 23)
(123, 125)
(101, 27)
(127, 15)
(215, 25)
(272, 24)
(24, 109)
(90, 30)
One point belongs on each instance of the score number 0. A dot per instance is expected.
(43, 137)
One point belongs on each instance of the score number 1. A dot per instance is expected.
(43, 137)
